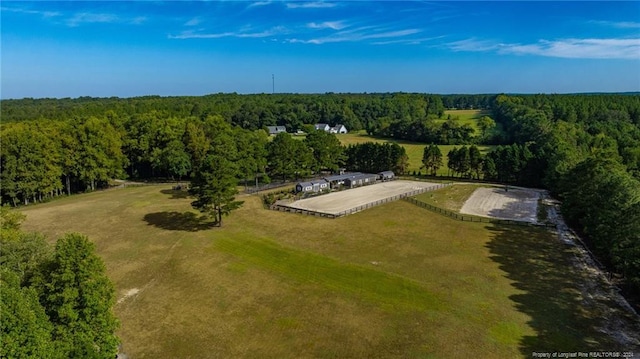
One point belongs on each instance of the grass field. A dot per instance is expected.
(414, 150)
(465, 117)
(394, 281)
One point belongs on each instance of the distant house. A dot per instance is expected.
(322, 127)
(338, 129)
(326, 128)
(312, 186)
(274, 130)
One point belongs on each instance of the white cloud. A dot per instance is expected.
(258, 3)
(45, 14)
(310, 5)
(566, 48)
(86, 17)
(278, 30)
(350, 36)
(334, 25)
(618, 24)
(473, 45)
(407, 41)
(581, 48)
(193, 22)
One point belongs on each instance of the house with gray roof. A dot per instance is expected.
(322, 127)
(274, 130)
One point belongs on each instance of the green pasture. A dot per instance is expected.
(464, 117)
(414, 150)
(394, 281)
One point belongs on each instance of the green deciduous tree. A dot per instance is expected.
(485, 123)
(25, 330)
(78, 297)
(101, 156)
(175, 160)
(328, 153)
(283, 156)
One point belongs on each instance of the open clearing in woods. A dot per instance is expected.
(394, 281)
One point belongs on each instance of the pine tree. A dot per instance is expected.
(214, 186)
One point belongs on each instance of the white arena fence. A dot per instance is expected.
(468, 218)
(284, 208)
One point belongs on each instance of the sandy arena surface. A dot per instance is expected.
(336, 202)
(515, 204)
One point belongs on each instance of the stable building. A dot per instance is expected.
(336, 181)
(312, 186)
(361, 179)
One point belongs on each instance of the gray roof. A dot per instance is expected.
(276, 129)
(387, 173)
(311, 183)
(363, 176)
(341, 177)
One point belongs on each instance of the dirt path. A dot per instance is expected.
(621, 322)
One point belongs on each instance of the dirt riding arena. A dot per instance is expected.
(517, 204)
(338, 202)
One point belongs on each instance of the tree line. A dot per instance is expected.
(586, 150)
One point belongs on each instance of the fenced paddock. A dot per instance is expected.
(471, 218)
(338, 204)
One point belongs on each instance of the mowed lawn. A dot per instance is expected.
(415, 150)
(394, 281)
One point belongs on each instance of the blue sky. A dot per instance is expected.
(124, 49)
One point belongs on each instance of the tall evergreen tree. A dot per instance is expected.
(432, 159)
(214, 186)
(214, 180)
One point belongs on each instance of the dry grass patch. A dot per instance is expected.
(394, 281)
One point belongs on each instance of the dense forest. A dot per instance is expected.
(584, 148)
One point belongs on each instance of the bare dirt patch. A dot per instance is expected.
(334, 203)
(517, 204)
(128, 294)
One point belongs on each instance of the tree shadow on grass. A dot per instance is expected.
(176, 194)
(179, 221)
(556, 294)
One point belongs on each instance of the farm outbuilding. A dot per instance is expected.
(312, 186)
(361, 179)
(386, 175)
(336, 181)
